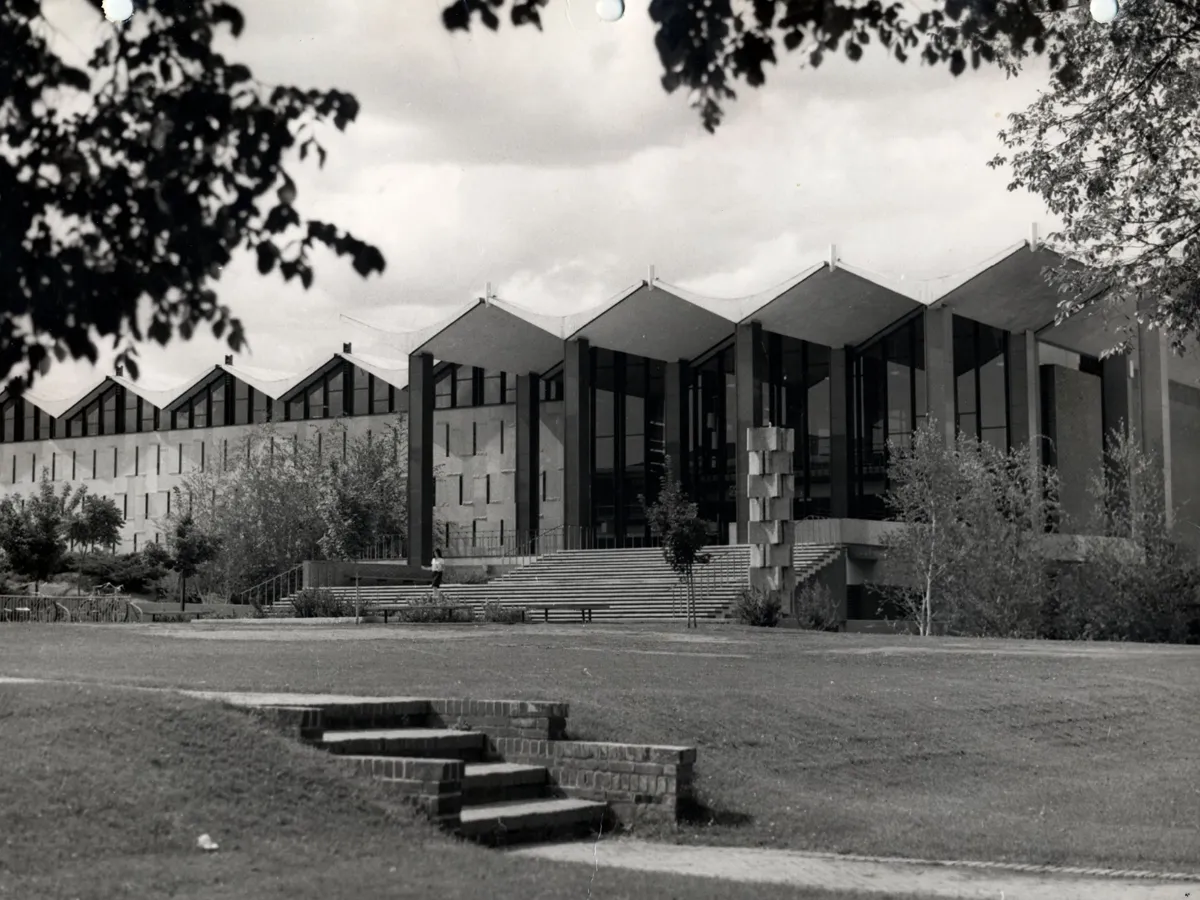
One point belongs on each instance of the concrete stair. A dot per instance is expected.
(497, 802)
(635, 583)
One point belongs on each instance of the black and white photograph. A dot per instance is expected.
(615, 449)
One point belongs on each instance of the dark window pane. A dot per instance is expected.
(200, 410)
(493, 390)
(606, 409)
(443, 392)
(379, 399)
(27, 434)
(218, 404)
(635, 415)
(262, 406)
(605, 454)
(464, 386)
(316, 402)
(295, 409)
(93, 418)
(362, 396)
(44, 427)
(336, 409)
(131, 412)
(241, 403)
(10, 422)
(993, 401)
(147, 416)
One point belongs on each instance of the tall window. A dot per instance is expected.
(796, 396)
(712, 457)
(889, 403)
(980, 381)
(219, 395)
(241, 403)
(360, 404)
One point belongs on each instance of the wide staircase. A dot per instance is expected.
(633, 583)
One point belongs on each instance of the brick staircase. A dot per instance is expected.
(635, 583)
(497, 771)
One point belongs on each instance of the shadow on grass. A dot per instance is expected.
(694, 811)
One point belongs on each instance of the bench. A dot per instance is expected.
(585, 609)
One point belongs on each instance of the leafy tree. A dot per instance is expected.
(91, 522)
(190, 549)
(705, 48)
(676, 520)
(1114, 152)
(136, 178)
(279, 501)
(971, 557)
(33, 534)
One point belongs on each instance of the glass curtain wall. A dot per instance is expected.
(980, 381)
(889, 404)
(796, 395)
(712, 436)
(628, 444)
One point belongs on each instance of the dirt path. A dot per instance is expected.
(892, 877)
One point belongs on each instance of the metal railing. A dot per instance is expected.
(721, 576)
(18, 608)
(279, 587)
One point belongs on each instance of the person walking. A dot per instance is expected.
(438, 566)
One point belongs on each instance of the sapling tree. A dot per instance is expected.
(190, 549)
(91, 521)
(675, 519)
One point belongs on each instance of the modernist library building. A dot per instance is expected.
(522, 426)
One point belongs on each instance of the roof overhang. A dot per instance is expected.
(657, 321)
(1093, 330)
(836, 307)
(494, 335)
(1010, 290)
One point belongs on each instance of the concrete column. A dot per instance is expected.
(749, 367)
(1153, 385)
(1024, 394)
(841, 432)
(676, 419)
(421, 485)
(577, 442)
(939, 369)
(528, 477)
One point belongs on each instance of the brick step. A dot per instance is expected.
(495, 782)
(426, 743)
(531, 820)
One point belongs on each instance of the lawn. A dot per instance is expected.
(1030, 752)
(105, 791)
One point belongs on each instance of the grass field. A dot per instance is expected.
(1042, 753)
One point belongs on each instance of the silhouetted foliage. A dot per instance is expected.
(706, 48)
(136, 178)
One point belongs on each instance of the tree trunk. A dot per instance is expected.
(182, 593)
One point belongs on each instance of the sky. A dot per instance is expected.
(554, 167)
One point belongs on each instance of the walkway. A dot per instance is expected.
(891, 877)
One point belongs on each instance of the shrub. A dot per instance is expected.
(319, 603)
(493, 611)
(429, 609)
(816, 607)
(758, 607)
